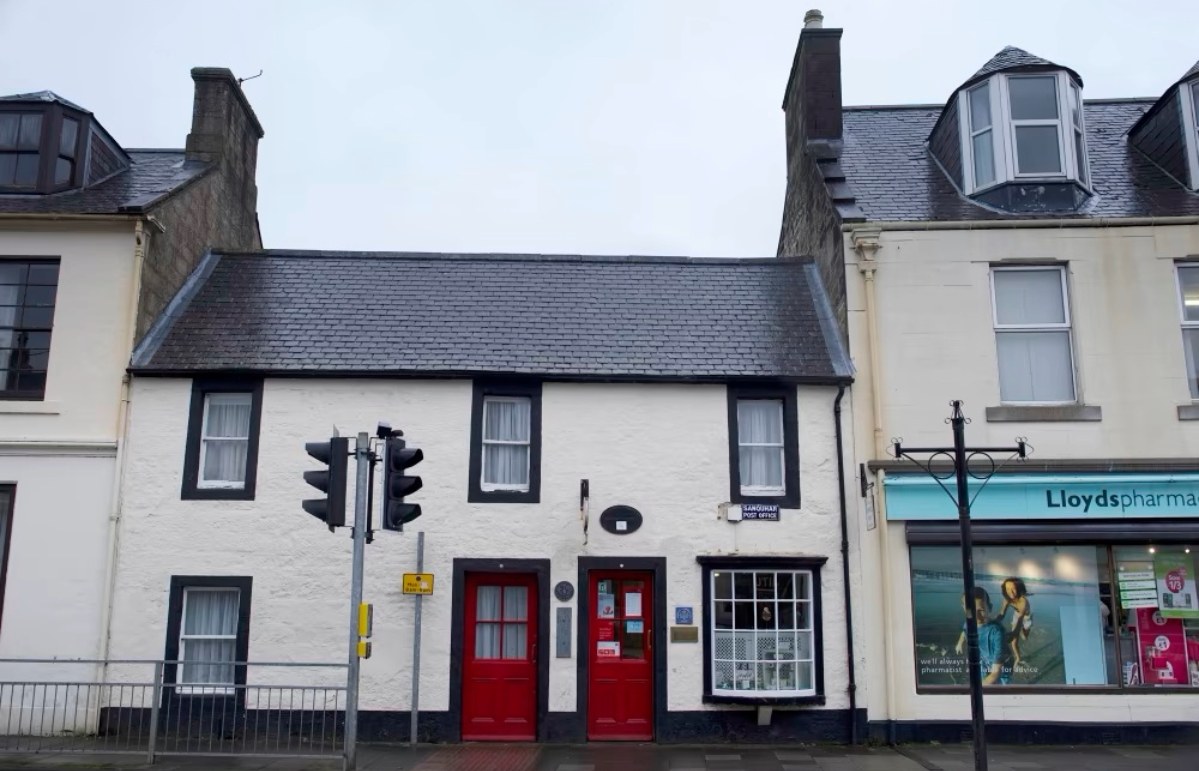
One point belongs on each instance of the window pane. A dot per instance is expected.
(1033, 98)
(980, 108)
(1195, 100)
(1080, 157)
(8, 169)
(44, 274)
(506, 420)
(487, 603)
(516, 603)
(765, 585)
(225, 460)
(761, 467)
(1075, 107)
(228, 415)
(67, 140)
(1158, 620)
(10, 123)
(31, 132)
(1190, 341)
(1035, 367)
(36, 295)
(38, 317)
(1037, 150)
(210, 612)
(487, 641)
(506, 464)
(1029, 297)
(724, 586)
(1188, 284)
(743, 584)
(195, 654)
(515, 641)
(984, 159)
(760, 421)
(26, 174)
(63, 169)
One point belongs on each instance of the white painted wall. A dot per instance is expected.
(660, 448)
(60, 452)
(936, 343)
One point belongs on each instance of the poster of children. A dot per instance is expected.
(1038, 611)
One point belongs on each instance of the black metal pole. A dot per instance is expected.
(972, 654)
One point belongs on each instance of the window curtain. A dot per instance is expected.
(209, 614)
(506, 421)
(760, 436)
(9, 294)
(487, 635)
(226, 441)
(516, 605)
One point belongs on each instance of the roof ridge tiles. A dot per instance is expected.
(513, 257)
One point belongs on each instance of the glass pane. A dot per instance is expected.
(10, 122)
(1080, 158)
(722, 676)
(724, 646)
(8, 169)
(37, 295)
(1037, 150)
(984, 159)
(1035, 367)
(1190, 342)
(1033, 98)
(803, 584)
(803, 649)
(515, 641)
(67, 140)
(761, 467)
(225, 460)
(487, 641)
(743, 584)
(228, 415)
(803, 615)
(786, 615)
(1195, 100)
(1188, 285)
(787, 680)
(31, 132)
(786, 586)
(1075, 108)
(32, 382)
(26, 174)
(632, 639)
(44, 273)
(768, 677)
(39, 317)
(723, 586)
(63, 169)
(213, 651)
(506, 464)
(743, 615)
(806, 677)
(516, 603)
(1158, 621)
(487, 603)
(724, 615)
(760, 421)
(1029, 297)
(786, 646)
(765, 585)
(210, 612)
(506, 420)
(980, 108)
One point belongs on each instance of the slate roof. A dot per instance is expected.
(893, 177)
(565, 317)
(1012, 58)
(43, 96)
(152, 175)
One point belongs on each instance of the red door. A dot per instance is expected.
(620, 692)
(499, 671)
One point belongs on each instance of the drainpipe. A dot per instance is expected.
(852, 688)
(866, 244)
(141, 239)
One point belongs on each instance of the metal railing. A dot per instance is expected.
(135, 706)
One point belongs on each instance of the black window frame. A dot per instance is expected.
(787, 394)
(528, 389)
(709, 563)
(245, 585)
(201, 388)
(49, 148)
(19, 327)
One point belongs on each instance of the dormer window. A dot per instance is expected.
(20, 146)
(41, 145)
(1025, 127)
(1189, 94)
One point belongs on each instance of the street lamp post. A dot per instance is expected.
(961, 455)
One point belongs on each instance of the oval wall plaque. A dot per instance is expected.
(620, 520)
(564, 591)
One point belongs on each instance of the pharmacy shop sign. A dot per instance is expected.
(1050, 496)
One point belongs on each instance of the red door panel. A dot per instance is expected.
(620, 694)
(499, 669)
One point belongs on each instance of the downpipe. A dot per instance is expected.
(852, 687)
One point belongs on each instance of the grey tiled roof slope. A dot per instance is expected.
(894, 177)
(153, 175)
(569, 317)
(1012, 58)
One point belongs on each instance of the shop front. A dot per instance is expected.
(1087, 582)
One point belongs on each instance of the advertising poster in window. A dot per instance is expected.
(1039, 614)
(1161, 648)
(1175, 585)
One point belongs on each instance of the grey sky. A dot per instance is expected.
(631, 126)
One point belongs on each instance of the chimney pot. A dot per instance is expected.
(813, 19)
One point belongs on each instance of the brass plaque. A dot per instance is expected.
(684, 634)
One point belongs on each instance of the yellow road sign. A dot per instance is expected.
(418, 583)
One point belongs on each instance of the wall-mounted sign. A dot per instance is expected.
(607, 650)
(684, 615)
(620, 520)
(762, 512)
(564, 591)
(684, 634)
(418, 583)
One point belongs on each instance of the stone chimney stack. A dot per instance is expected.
(812, 102)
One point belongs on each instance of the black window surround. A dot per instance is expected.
(28, 293)
(527, 389)
(749, 562)
(785, 394)
(244, 585)
(50, 148)
(191, 460)
(8, 505)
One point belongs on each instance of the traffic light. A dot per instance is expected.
(396, 458)
(332, 481)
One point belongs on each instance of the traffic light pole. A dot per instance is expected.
(362, 453)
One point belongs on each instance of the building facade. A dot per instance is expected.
(632, 504)
(1033, 254)
(93, 239)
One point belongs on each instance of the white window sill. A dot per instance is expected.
(1044, 413)
(220, 486)
(499, 489)
(18, 407)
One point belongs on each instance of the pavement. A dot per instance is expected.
(650, 757)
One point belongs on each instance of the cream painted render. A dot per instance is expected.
(660, 448)
(935, 342)
(60, 453)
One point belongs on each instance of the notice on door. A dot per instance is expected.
(632, 604)
(606, 606)
(607, 650)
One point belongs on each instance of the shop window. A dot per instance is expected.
(505, 446)
(1055, 617)
(763, 630)
(1032, 335)
(221, 459)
